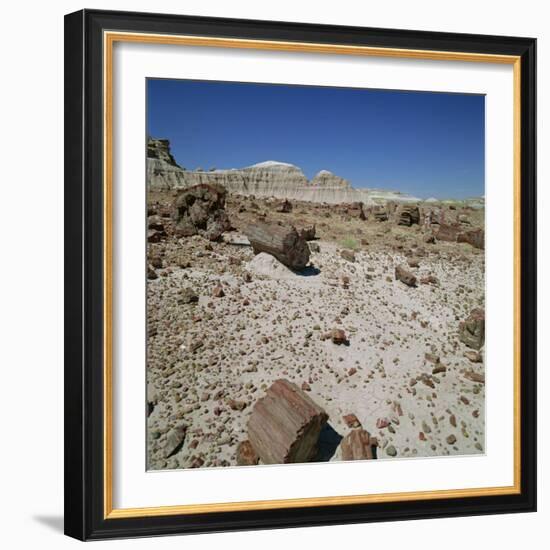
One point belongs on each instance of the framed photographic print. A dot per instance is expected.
(300, 274)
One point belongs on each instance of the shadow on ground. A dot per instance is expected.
(329, 439)
(309, 271)
(55, 523)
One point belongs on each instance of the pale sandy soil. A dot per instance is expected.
(269, 328)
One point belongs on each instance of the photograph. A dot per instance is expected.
(315, 265)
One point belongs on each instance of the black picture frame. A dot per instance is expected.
(84, 282)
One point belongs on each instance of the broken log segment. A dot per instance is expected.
(357, 445)
(285, 424)
(283, 242)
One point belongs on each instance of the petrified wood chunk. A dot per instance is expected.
(174, 440)
(447, 232)
(355, 210)
(475, 237)
(405, 276)
(380, 215)
(407, 215)
(246, 455)
(308, 233)
(201, 209)
(284, 243)
(357, 445)
(285, 206)
(348, 255)
(472, 330)
(475, 376)
(285, 424)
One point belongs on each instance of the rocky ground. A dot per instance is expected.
(224, 324)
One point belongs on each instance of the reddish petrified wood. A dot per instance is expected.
(475, 237)
(246, 455)
(285, 424)
(357, 445)
(448, 232)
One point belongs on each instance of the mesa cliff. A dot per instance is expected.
(265, 179)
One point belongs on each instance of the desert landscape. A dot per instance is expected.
(294, 320)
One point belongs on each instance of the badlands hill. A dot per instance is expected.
(265, 179)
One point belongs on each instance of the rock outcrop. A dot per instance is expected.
(160, 149)
(163, 172)
(266, 179)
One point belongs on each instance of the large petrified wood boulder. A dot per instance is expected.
(472, 330)
(285, 424)
(200, 209)
(283, 242)
(357, 445)
(407, 214)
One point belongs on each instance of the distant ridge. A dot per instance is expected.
(269, 178)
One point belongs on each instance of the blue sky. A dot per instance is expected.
(426, 144)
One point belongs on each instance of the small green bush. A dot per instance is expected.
(349, 242)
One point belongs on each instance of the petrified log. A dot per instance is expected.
(472, 330)
(284, 243)
(407, 215)
(285, 424)
(357, 445)
(405, 276)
